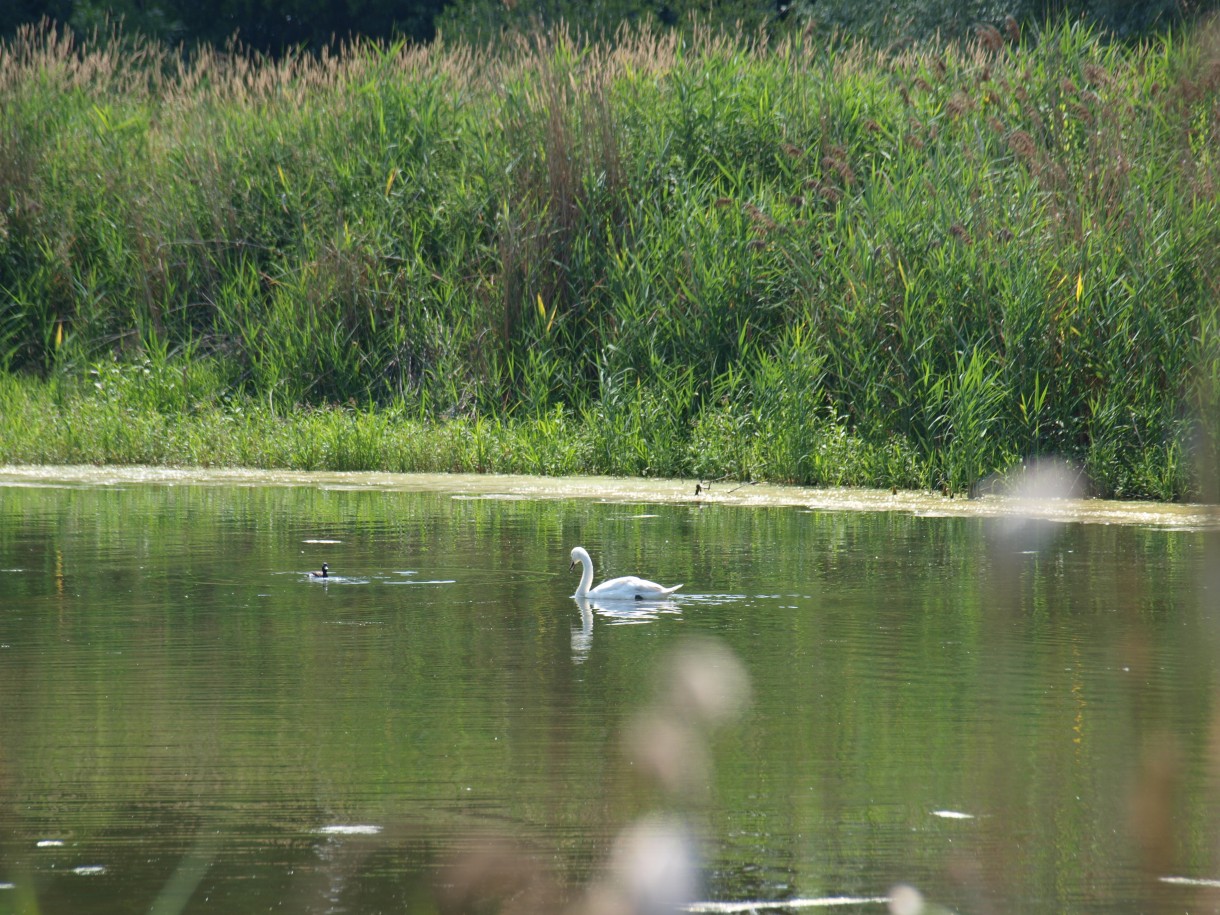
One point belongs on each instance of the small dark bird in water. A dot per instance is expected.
(325, 573)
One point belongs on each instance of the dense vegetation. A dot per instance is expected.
(277, 26)
(675, 254)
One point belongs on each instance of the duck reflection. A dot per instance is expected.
(614, 613)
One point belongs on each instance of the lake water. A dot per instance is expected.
(1012, 715)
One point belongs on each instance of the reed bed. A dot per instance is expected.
(805, 261)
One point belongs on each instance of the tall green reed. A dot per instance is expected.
(806, 261)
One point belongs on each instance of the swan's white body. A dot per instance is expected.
(626, 588)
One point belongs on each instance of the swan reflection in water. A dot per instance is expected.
(615, 613)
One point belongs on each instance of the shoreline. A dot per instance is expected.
(1186, 517)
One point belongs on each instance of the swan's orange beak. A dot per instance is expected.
(572, 566)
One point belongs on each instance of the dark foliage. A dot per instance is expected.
(270, 26)
(275, 26)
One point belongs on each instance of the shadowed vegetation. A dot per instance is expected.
(802, 260)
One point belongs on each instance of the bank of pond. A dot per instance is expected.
(668, 253)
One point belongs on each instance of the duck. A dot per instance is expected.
(629, 587)
(324, 573)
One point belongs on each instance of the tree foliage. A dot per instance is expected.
(271, 26)
(274, 26)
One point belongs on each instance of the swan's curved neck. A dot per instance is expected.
(586, 575)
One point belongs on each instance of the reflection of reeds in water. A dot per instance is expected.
(699, 688)
(653, 866)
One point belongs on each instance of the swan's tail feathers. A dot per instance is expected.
(673, 589)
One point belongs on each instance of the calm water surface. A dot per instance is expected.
(1011, 716)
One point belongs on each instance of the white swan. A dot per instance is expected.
(626, 588)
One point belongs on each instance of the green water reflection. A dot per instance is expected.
(182, 706)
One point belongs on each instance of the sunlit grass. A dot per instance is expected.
(702, 256)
